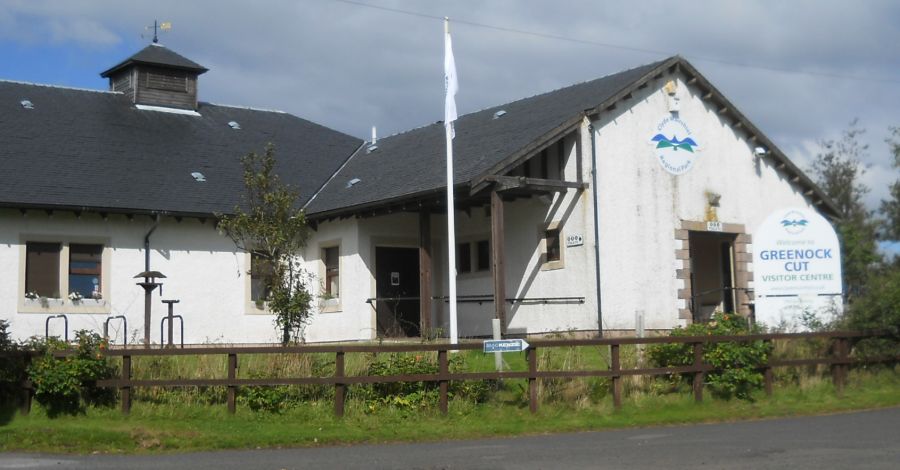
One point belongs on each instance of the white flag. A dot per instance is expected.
(450, 85)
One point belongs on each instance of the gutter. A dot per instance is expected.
(596, 226)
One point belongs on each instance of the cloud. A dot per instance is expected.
(351, 67)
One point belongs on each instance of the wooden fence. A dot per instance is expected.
(839, 359)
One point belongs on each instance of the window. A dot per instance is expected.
(260, 270)
(331, 257)
(473, 257)
(551, 241)
(464, 258)
(85, 270)
(483, 255)
(42, 269)
(63, 276)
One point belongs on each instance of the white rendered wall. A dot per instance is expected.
(641, 204)
(203, 271)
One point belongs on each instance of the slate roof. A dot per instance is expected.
(155, 54)
(89, 150)
(413, 162)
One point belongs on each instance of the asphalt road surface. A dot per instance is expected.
(862, 440)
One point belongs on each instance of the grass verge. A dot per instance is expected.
(154, 428)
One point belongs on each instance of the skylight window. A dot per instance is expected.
(27, 104)
(234, 125)
(198, 177)
(371, 148)
(353, 182)
(499, 114)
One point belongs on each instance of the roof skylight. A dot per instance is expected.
(499, 114)
(198, 177)
(353, 182)
(234, 125)
(27, 104)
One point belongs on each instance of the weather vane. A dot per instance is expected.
(157, 27)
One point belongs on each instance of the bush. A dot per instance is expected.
(737, 364)
(419, 395)
(66, 386)
(12, 369)
(878, 309)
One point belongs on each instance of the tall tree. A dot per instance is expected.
(890, 208)
(273, 228)
(838, 169)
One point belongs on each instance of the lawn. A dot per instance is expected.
(157, 425)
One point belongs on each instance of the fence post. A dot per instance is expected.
(232, 374)
(339, 388)
(27, 386)
(839, 369)
(125, 388)
(531, 357)
(768, 377)
(698, 376)
(444, 370)
(616, 378)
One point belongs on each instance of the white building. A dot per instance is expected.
(91, 180)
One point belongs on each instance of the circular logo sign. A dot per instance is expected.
(794, 222)
(675, 148)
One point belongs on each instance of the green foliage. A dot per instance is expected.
(12, 369)
(890, 208)
(280, 398)
(272, 226)
(838, 170)
(737, 364)
(409, 396)
(878, 309)
(66, 386)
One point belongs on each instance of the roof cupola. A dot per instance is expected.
(157, 76)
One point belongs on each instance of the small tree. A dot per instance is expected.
(271, 226)
(890, 208)
(838, 170)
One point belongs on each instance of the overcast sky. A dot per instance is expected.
(350, 66)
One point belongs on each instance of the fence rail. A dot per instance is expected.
(839, 359)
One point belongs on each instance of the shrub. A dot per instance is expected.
(419, 395)
(12, 370)
(878, 309)
(737, 364)
(66, 386)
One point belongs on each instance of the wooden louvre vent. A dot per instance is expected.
(168, 81)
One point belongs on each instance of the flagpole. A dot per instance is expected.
(450, 74)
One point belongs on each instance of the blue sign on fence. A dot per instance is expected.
(505, 345)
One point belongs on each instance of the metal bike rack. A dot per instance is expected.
(124, 328)
(171, 317)
(47, 326)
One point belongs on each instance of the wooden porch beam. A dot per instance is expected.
(424, 272)
(498, 271)
(534, 184)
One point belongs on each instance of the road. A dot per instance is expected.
(869, 439)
